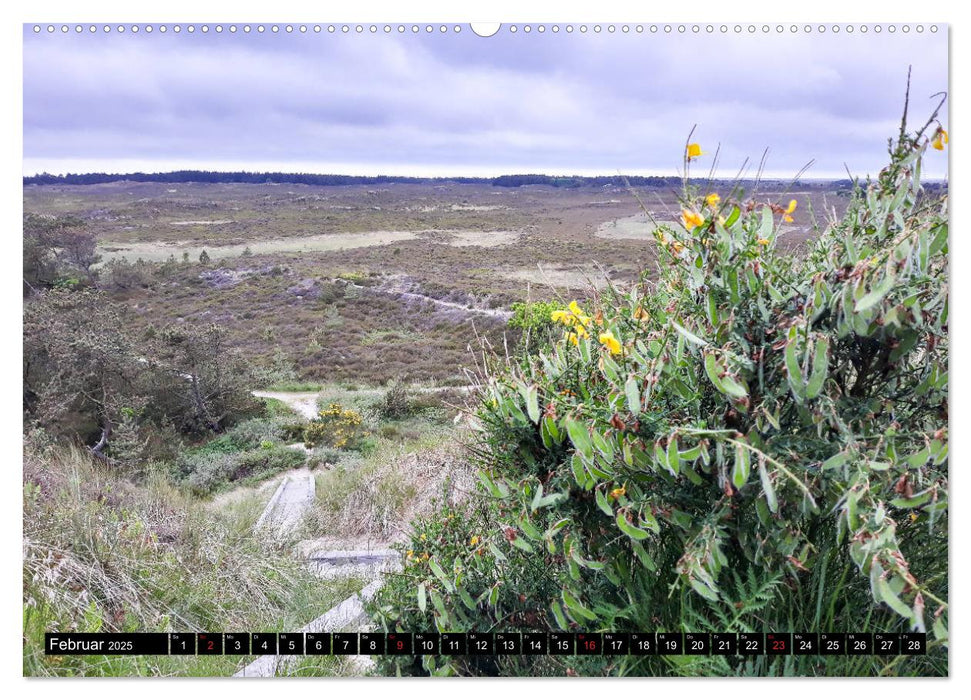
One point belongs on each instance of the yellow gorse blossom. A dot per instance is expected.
(694, 150)
(763, 241)
(618, 492)
(712, 200)
(581, 318)
(691, 219)
(576, 318)
(561, 316)
(609, 341)
(940, 138)
(791, 208)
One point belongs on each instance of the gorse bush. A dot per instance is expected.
(751, 441)
(335, 426)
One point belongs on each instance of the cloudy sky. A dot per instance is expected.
(459, 104)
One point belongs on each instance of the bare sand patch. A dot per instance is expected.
(476, 207)
(217, 222)
(158, 251)
(637, 227)
(483, 239)
(561, 277)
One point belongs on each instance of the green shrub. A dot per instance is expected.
(335, 426)
(209, 471)
(753, 441)
(533, 318)
(397, 402)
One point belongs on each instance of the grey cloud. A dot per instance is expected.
(511, 102)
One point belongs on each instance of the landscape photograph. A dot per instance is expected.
(525, 350)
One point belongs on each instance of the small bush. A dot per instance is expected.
(210, 471)
(335, 426)
(397, 402)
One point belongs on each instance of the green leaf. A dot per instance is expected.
(422, 599)
(891, 599)
(733, 216)
(532, 403)
(530, 530)
(522, 544)
(703, 590)
(466, 599)
(496, 552)
(580, 438)
(440, 575)
(688, 335)
(633, 392)
(494, 595)
(603, 504)
(793, 372)
(820, 366)
(537, 497)
(575, 606)
(742, 466)
(561, 621)
(766, 478)
(875, 295)
(836, 461)
(631, 531)
(765, 231)
(733, 388)
(674, 457)
(643, 556)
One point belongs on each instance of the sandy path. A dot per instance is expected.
(303, 402)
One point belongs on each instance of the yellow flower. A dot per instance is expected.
(608, 340)
(763, 241)
(694, 150)
(579, 318)
(572, 337)
(474, 541)
(692, 219)
(640, 314)
(422, 537)
(676, 247)
(791, 208)
(582, 332)
(618, 492)
(712, 200)
(411, 553)
(940, 138)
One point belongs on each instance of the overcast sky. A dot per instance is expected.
(459, 104)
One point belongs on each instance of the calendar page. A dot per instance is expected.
(522, 349)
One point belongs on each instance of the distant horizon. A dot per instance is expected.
(123, 175)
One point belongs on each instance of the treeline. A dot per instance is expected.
(212, 176)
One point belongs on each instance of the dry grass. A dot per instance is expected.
(104, 554)
(375, 499)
